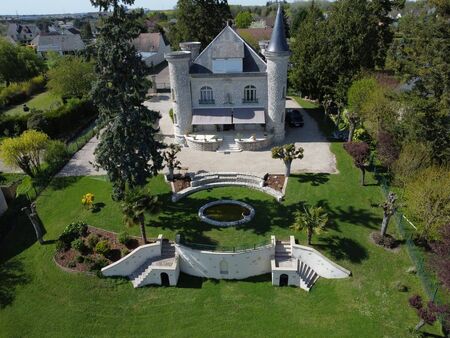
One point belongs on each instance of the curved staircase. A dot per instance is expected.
(208, 180)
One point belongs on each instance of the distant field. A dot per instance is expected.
(41, 101)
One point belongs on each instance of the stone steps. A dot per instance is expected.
(307, 276)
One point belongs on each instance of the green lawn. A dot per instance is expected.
(41, 101)
(38, 299)
(306, 104)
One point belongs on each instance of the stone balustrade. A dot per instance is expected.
(254, 143)
(203, 143)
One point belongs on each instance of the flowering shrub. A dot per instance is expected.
(88, 200)
(73, 231)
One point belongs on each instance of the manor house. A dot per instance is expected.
(228, 95)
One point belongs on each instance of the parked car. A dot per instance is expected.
(294, 118)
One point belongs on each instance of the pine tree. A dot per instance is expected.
(128, 149)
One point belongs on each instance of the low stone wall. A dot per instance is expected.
(128, 264)
(226, 265)
(245, 218)
(254, 145)
(203, 145)
(323, 266)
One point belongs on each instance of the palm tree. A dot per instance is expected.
(136, 203)
(313, 219)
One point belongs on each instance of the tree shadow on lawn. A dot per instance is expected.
(313, 179)
(343, 249)
(59, 183)
(20, 237)
(352, 215)
(12, 275)
(182, 217)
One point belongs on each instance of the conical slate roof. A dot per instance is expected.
(278, 41)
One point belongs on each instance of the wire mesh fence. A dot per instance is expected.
(407, 231)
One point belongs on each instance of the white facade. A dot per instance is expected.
(230, 80)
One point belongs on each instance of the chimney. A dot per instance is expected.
(191, 46)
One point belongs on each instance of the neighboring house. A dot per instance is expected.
(258, 38)
(152, 47)
(22, 33)
(229, 87)
(60, 43)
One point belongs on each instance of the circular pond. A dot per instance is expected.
(225, 213)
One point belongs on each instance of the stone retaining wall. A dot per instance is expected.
(203, 145)
(254, 145)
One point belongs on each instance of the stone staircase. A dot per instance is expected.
(228, 145)
(167, 258)
(283, 250)
(307, 276)
(283, 257)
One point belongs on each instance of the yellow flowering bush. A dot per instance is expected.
(88, 200)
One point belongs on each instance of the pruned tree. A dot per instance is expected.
(441, 257)
(128, 150)
(312, 219)
(287, 153)
(360, 152)
(170, 158)
(136, 204)
(389, 208)
(25, 151)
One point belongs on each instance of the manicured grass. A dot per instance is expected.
(39, 299)
(306, 104)
(41, 101)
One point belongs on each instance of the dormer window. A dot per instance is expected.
(232, 65)
(206, 95)
(250, 95)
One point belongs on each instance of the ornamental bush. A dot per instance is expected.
(73, 231)
(103, 248)
(92, 241)
(124, 238)
(88, 200)
(78, 244)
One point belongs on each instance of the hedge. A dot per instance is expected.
(18, 93)
(62, 122)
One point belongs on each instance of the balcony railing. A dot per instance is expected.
(206, 101)
(249, 101)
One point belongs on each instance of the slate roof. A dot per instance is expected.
(278, 41)
(221, 47)
(58, 42)
(20, 32)
(148, 42)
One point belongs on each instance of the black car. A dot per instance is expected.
(294, 118)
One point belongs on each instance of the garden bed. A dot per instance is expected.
(89, 260)
(275, 182)
(181, 182)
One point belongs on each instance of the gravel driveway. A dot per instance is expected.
(317, 155)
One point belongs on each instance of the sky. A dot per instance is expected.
(27, 7)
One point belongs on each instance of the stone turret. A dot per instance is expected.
(277, 57)
(193, 47)
(180, 85)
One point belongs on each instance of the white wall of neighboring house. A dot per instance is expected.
(158, 57)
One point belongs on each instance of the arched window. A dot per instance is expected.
(250, 94)
(206, 95)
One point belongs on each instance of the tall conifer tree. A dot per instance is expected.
(128, 149)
